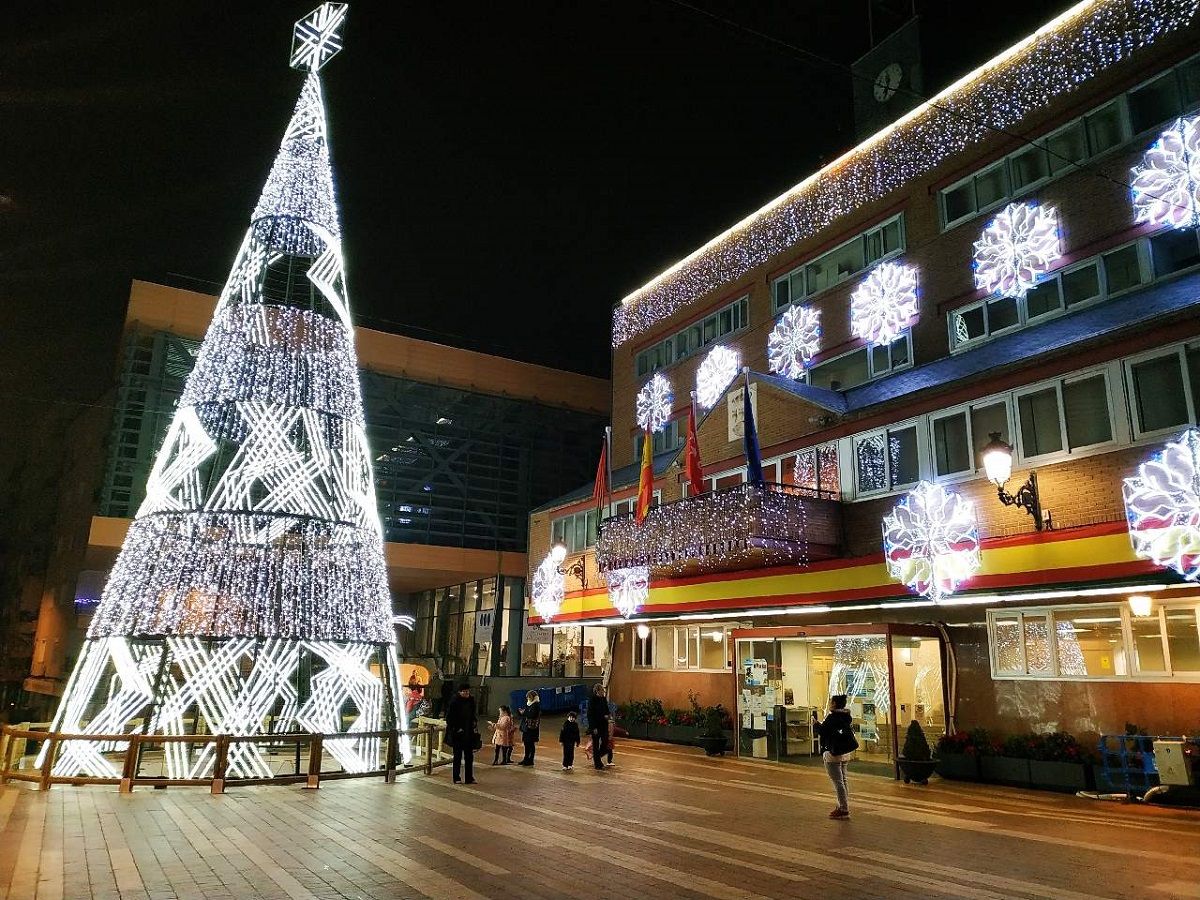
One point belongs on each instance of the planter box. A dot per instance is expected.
(958, 766)
(681, 734)
(1060, 776)
(639, 730)
(1005, 770)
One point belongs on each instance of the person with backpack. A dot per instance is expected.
(837, 749)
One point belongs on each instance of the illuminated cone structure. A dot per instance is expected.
(251, 594)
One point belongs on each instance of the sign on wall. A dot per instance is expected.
(733, 407)
(537, 634)
(484, 621)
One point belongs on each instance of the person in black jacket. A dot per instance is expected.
(597, 713)
(531, 724)
(461, 727)
(837, 748)
(569, 738)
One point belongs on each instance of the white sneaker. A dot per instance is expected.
(566, 768)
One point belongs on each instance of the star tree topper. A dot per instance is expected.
(317, 37)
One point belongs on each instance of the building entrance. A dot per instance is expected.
(891, 674)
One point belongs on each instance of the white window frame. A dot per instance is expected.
(872, 373)
(1065, 450)
(967, 410)
(680, 631)
(1133, 661)
(868, 263)
(742, 304)
(888, 487)
(1127, 364)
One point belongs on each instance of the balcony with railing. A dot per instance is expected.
(742, 527)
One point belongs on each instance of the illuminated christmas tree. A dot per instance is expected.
(251, 593)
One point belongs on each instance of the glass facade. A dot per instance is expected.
(452, 468)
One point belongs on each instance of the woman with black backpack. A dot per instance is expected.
(837, 748)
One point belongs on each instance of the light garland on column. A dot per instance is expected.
(1162, 506)
(1060, 58)
(931, 541)
(1016, 249)
(794, 341)
(549, 589)
(716, 373)
(1166, 185)
(259, 542)
(654, 403)
(884, 304)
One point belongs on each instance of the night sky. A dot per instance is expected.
(507, 171)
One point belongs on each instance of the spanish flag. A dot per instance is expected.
(646, 481)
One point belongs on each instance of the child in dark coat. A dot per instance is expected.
(569, 738)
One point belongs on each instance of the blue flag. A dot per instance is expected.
(754, 473)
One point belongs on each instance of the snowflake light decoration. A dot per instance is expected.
(628, 588)
(1016, 249)
(884, 304)
(654, 403)
(1162, 506)
(794, 341)
(931, 541)
(548, 589)
(1166, 186)
(715, 374)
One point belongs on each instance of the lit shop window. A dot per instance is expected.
(1096, 642)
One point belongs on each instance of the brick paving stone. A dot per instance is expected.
(668, 822)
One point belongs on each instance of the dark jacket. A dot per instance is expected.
(531, 723)
(569, 733)
(837, 733)
(461, 721)
(597, 713)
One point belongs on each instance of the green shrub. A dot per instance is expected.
(916, 745)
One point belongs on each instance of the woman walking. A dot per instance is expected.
(462, 727)
(837, 748)
(598, 725)
(531, 725)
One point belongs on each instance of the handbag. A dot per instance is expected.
(476, 741)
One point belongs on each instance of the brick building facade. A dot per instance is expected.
(1086, 375)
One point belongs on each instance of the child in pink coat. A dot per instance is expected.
(502, 737)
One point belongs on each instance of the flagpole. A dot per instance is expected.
(608, 462)
(692, 412)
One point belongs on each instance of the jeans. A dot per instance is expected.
(568, 755)
(463, 752)
(837, 774)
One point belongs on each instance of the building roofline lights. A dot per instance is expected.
(1094, 63)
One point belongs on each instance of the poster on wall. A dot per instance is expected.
(870, 729)
(755, 671)
(484, 620)
(537, 634)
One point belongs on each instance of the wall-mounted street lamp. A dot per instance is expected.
(558, 553)
(997, 463)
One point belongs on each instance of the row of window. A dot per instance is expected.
(1102, 642)
(682, 648)
(859, 366)
(670, 437)
(680, 346)
(1103, 276)
(836, 265)
(1169, 95)
(576, 531)
(1141, 397)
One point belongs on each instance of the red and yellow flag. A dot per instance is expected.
(600, 486)
(646, 481)
(692, 467)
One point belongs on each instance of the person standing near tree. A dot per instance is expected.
(837, 749)
(531, 725)
(598, 725)
(462, 726)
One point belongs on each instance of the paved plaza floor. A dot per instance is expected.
(666, 822)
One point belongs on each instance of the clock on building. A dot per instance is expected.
(887, 81)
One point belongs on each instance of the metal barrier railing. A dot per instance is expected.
(43, 775)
